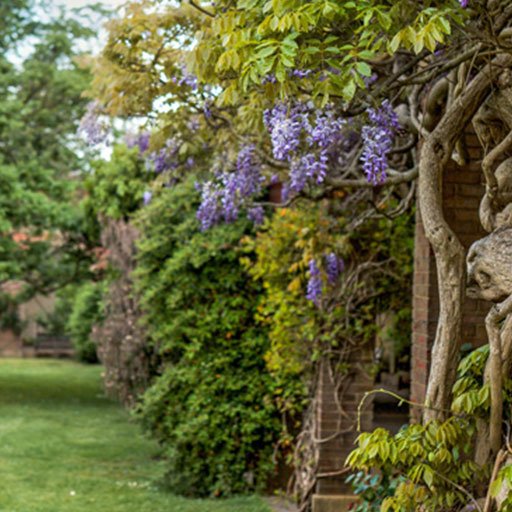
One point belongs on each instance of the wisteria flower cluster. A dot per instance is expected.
(92, 127)
(334, 266)
(139, 140)
(166, 158)
(187, 78)
(306, 145)
(378, 141)
(224, 197)
(314, 290)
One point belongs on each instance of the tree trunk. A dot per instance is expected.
(449, 253)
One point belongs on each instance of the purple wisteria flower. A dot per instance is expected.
(207, 109)
(91, 126)
(147, 196)
(193, 125)
(286, 126)
(209, 212)
(224, 197)
(256, 214)
(269, 79)
(378, 142)
(166, 158)
(307, 146)
(139, 140)
(314, 291)
(464, 3)
(334, 267)
(300, 73)
(309, 166)
(327, 130)
(188, 79)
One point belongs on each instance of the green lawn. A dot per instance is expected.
(65, 448)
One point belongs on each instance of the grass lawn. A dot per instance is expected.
(65, 448)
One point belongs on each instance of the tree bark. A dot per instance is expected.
(449, 253)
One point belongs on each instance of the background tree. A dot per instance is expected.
(41, 103)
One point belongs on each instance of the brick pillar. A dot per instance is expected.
(462, 192)
(333, 491)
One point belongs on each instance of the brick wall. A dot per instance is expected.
(332, 454)
(462, 192)
(10, 344)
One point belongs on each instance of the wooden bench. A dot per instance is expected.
(47, 345)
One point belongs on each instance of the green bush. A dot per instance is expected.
(211, 407)
(86, 311)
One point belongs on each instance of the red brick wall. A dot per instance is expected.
(462, 191)
(332, 454)
(10, 344)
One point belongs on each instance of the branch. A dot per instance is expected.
(395, 178)
(201, 9)
(440, 67)
(400, 399)
(502, 455)
(495, 378)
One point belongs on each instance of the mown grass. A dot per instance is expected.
(65, 448)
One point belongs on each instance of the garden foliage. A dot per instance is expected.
(302, 332)
(41, 104)
(115, 192)
(86, 312)
(434, 459)
(211, 404)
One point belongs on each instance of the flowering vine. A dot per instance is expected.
(378, 141)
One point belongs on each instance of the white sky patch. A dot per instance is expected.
(70, 4)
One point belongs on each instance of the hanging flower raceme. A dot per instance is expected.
(139, 140)
(334, 266)
(166, 158)
(314, 291)
(92, 126)
(209, 212)
(286, 127)
(187, 79)
(378, 141)
(223, 197)
(307, 146)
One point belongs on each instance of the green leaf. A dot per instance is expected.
(428, 476)
(395, 42)
(363, 69)
(349, 90)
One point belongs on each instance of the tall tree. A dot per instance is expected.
(41, 104)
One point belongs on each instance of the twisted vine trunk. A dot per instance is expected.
(449, 253)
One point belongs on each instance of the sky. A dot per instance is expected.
(80, 3)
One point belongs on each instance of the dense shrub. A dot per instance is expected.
(86, 312)
(211, 406)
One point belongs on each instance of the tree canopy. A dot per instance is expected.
(41, 105)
